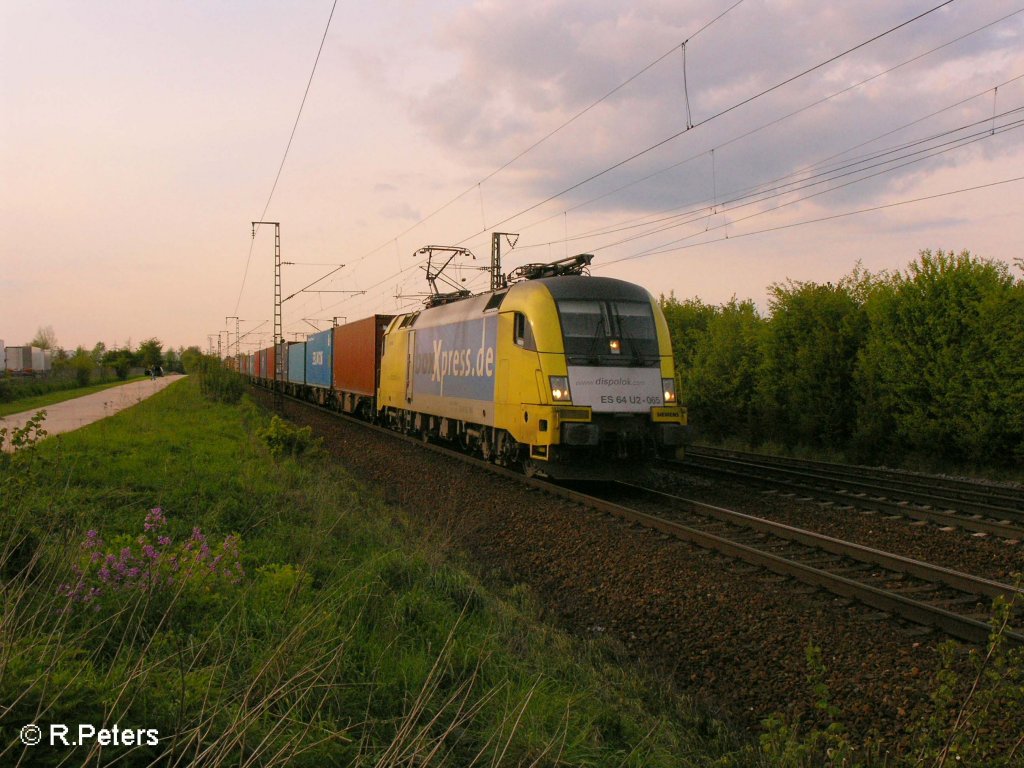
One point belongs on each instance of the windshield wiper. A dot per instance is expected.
(592, 356)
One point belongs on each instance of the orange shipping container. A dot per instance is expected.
(357, 348)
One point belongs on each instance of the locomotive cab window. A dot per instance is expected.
(495, 301)
(635, 320)
(609, 332)
(522, 332)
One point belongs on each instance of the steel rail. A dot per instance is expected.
(935, 573)
(880, 487)
(962, 627)
(945, 487)
(861, 495)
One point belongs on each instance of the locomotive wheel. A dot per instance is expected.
(507, 450)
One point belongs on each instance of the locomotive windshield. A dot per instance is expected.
(608, 332)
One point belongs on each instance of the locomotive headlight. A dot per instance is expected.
(668, 386)
(615, 346)
(560, 389)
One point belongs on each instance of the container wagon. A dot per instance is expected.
(357, 352)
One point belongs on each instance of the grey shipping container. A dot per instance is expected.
(19, 359)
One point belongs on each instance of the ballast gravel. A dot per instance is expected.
(730, 635)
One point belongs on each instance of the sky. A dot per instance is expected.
(701, 148)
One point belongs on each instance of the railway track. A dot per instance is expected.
(954, 603)
(976, 507)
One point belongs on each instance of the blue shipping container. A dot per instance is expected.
(319, 360)
(297, 362)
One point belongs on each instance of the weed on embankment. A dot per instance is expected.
(165, 573)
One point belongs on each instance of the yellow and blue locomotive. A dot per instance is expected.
(565, 374)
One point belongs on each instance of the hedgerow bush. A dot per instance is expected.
(216, 381)
(923, 366)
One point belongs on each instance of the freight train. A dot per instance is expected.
(558, 373)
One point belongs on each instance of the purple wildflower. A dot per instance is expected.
(154, 519)
(149, 566)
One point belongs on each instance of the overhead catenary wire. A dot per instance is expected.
(695, 215)
(796, 112)
(705, 121)
(550, 134)
(818, 220)
(922, 155)
(748, 100)
(722, 113)
(288, 146)
(410, 268)
(977, 137)
(780, 186)
(949, 146)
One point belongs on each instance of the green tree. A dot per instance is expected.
(191, 359)
(82, 364)
(121, 360)
(45, 338)
(687, 323)
(995, 417)
(720, 383)
(940, 373)
(98, 352)
(151, 352)
(806, 386)
(172, 360)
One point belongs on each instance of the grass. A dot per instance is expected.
(276, 612)
(348, 639)
(41, 401)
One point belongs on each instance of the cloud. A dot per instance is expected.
(525, 69)
(401, 211)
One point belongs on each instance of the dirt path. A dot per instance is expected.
(72, 414)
